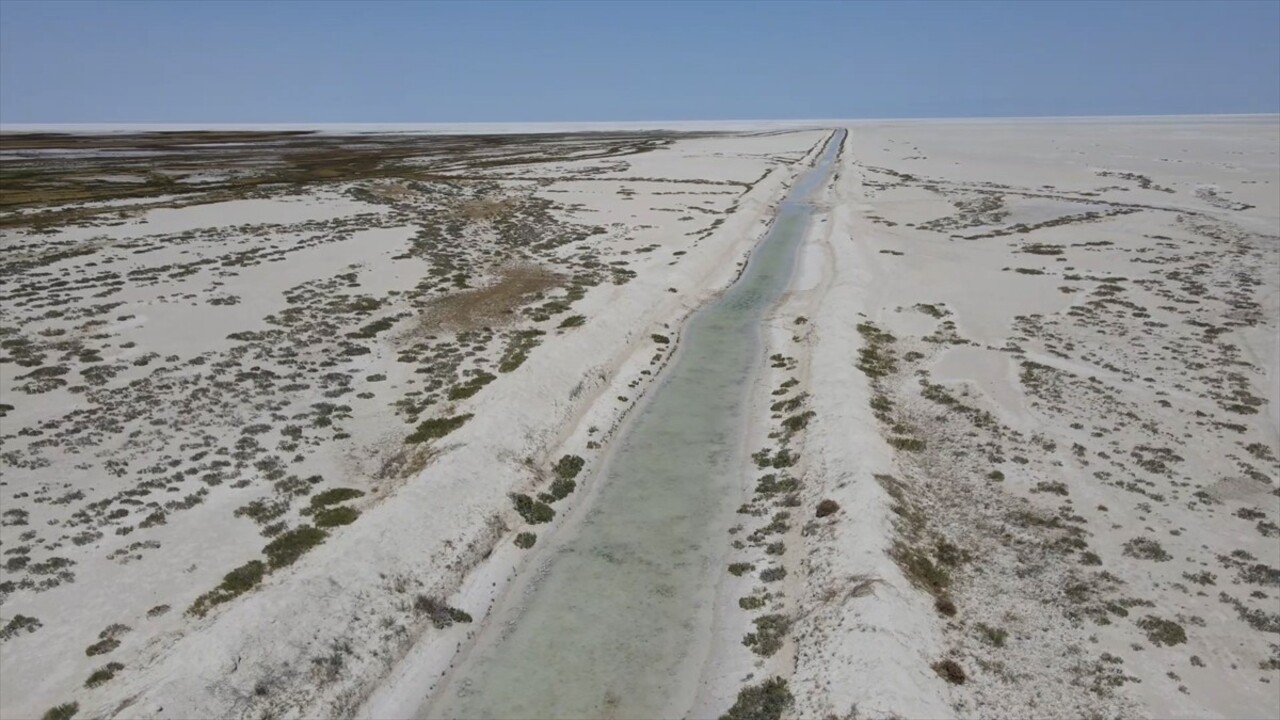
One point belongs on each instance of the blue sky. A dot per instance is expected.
(488, 61)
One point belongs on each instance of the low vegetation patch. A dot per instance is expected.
(234, 584)
(440, 614)
(518, 348)
(471, 386)
(928, 573)
(992, 636)
(18, 625)
(876, 357)
(907, 444)
(950, 671)
(1146, 549)
(108, 640)
(945, 606)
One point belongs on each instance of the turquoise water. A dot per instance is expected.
(609, 627)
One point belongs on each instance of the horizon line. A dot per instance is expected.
(515, 125)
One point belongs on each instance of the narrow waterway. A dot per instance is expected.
(615, 622)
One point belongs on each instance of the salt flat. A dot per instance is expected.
(1064, 427)
(200, 388)
(284, 412)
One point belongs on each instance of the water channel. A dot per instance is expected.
(615, 619)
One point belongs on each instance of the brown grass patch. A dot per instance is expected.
(486, 209)
(490, 306)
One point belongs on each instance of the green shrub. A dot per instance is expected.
(102, 647)
(950, 671)
(569, 466)
(372, 329)
(572, 321)
(244, 577)
(560, 489)
(771, 485)
(103, 674)
(437, 428)
(785, 459)
(796, 423)
(766, 701)
(19, 624)
(751, 602)
(65, 711)
(660, 339)
(771, 630)
(334, 496)
(737, 569)
(108, 639)
(772, 574)
(1163, 632)
(525, 540)
(533, 511)
(335, 516)
(291, 545)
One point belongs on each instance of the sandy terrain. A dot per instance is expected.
(264, 412)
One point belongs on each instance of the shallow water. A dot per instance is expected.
(610, 627)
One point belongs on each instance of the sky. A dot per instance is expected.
(421, 62)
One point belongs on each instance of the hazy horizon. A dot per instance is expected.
(497, 62)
